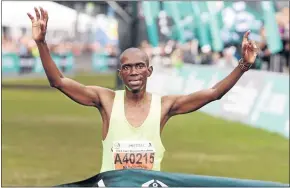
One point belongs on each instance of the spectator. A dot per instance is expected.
(8, 46)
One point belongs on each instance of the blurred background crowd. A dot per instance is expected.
(98, 39)
(192, 45)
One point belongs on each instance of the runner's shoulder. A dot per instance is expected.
(105, 96)
(169, 99)
(102, 93)
(106, 93)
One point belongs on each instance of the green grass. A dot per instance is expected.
(90, 79)
(48, 140)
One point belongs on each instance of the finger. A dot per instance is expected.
(42, 13)
(45, 19)
(31, 17)
(250, 50)
(246, 37)
(246, 53)
(245, 46)
(37, 13)
(46, 16)
(42, 27)
(250, 46)
(253, 47)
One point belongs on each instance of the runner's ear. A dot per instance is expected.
(150, 70)
(119, 74)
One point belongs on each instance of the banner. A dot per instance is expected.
(217, 43)
(26, 64)
(102, 62)
(149, 178)
(173, 10)
(13, 64)
(151, 10)
(274, 41)
(259, 99)
(217, 23)
(64, 63)
(10, 63)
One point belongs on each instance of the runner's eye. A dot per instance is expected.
(140, 66)
(125, 68)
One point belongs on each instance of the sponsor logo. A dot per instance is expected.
(101, 183)
(154, 183)
(116, 145)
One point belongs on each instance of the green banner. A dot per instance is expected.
(201, 18)
(215, 23)
(10, 63)
(149, 178)
(151, 10)
(272, 32)
(216, 40)
(100, 62)
(172, 8)
(64, 63)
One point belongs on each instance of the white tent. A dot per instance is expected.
(14, 14)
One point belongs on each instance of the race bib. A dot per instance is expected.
(133, 154)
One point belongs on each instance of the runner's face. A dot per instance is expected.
(134, 71)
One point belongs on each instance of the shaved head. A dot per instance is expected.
(134, 69)
(134, 51)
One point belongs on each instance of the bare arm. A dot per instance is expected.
(85, 95)
(182, 104)
(188, 103)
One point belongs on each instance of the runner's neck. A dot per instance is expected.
(136, 98)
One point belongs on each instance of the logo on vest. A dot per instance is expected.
(154, 183)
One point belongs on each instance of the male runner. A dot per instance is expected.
(133, 119)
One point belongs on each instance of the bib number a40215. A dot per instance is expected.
(136, 155)
(134, 160)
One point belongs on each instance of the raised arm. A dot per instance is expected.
(85, 95)
(182, 104)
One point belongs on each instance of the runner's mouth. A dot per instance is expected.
(135, 82)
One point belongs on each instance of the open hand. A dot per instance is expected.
(39, 24)
(249, 49)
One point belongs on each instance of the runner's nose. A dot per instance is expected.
(134, 71)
